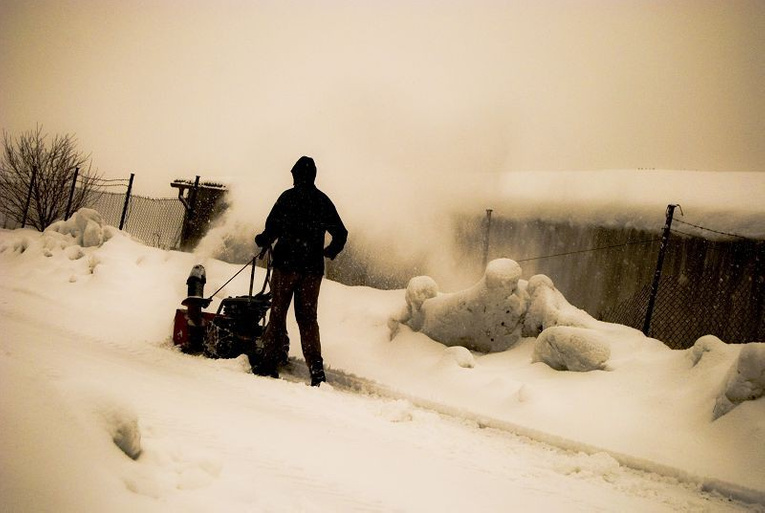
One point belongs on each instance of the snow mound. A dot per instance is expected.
(494, 314)
(86, 226)
(573, 349)
(745, 380)
(487, 317)
(502, 274)
(548, 307)
(459, 355)
(707, 347)
(419, 289)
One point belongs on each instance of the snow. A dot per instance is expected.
(638, 197)
(86, 226)
(487, 317)
(746, 379)
(102, 413)
(492, 315)
(548, 307)
(574, 349)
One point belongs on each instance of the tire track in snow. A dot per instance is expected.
(297, 371)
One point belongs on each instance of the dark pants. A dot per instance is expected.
(305, 289)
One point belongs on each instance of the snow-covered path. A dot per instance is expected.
(86, 364)
(217, 438)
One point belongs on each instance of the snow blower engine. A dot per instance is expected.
(236, 328)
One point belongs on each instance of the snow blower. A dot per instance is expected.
(235, 328)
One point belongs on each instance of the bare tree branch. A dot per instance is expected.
(30, 161)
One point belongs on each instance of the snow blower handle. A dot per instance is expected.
(265, 253)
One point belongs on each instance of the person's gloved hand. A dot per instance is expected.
(329, 253)
(260, 240)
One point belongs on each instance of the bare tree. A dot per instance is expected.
(36, 177)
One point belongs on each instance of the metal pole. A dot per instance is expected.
(759, 291)
(194, 198)
(127, 201)
(486, 238)
(189, 205)
(71, 194)
(29, 197)
(657, 273)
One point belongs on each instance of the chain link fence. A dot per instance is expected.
(708, 286)
(157, 222)
(712, 282)
(109, 199)
(154, 221)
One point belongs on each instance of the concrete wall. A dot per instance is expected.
(707, 287)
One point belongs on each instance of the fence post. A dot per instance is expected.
(486, 238)
(29, 197)
(759, 283)
(71, 194)
(189, 204)
(657, 273)
(194, 198)
(127, 200)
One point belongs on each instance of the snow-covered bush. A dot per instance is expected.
(487, 317)
(706, 347)
(570, 348)
(419, 289)
(496, 312)
(548, 307)
(745, 380)
(86, 226)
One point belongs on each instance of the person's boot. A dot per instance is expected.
(262, 365)
(317, 376)
(283, 357)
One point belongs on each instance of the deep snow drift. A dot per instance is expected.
(106, 415)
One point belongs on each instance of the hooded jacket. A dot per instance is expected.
(298, 222)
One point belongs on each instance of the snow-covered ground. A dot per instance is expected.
(88, 374)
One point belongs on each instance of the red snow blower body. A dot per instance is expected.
(237, 326)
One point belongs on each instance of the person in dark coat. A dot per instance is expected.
(298, 222)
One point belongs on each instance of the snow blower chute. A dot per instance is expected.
(237, 326)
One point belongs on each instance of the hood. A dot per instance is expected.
(304, 171)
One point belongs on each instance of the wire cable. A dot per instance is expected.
(590, 250)
(713, 231)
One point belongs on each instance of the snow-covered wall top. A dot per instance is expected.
(726, 201)
(408, 217)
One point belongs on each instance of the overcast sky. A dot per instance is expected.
(240, 89)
